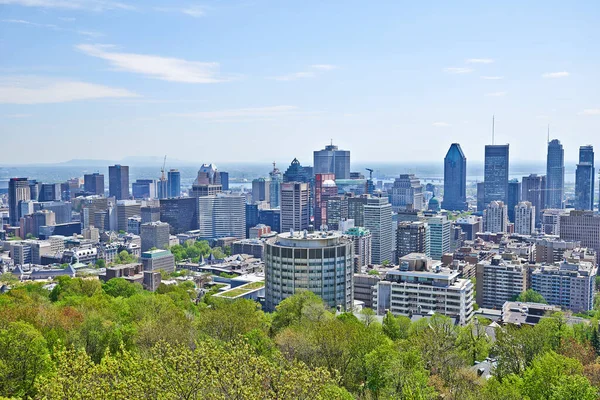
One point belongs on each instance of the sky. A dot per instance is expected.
(255, 81)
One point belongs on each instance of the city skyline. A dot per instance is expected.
(87, 81)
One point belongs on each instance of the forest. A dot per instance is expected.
(85, 339)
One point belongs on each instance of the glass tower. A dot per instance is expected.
(455, 179)
(555, 175)
(584, 179)
(496, 173)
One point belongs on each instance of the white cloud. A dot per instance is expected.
(590, 111)
(195, 11)
(164, 68)
(258, 112)
(492, 78)
(38, 90)
(480, 61)
(441, 124)
(496, 94)
(15, 116)
(324, 67)
(458, 70)
(316, 69)
(91, 5)
(562, 74)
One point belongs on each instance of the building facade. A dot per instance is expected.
(555, 175)
(407, 193)
(295, 214)
(533, 190)
(378, 220)
(154, 234)
(362, 241)
(222, 215)
(18, 190)
(332, 160)
(94, 183)
(495, 217)
(411, 237)
(438, 236)
(524, 218)
(455, 180)
(118, 182)
(496, 173)
(499, 281)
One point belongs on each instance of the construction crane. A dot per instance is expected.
(162, 170)
(370, 173)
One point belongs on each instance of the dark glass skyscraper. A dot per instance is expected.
(94, 183)
(496, 173)
(555, 175)
(18, 190)
(514, 197)
(296, 173)
(533, 190)
(173, 183)
(584, 179)
(332, 160)
(118, 181)
(455, 179)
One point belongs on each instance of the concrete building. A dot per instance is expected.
(325, 188)
(364, 288)
(549, 250)
(92, 234)
(428, 288)
(455, 179)
(295, 211)
(150, 214)
(362, 243)
(495, 217)
(144, 189)
(259, 230)
(180, 213)
(332, 160)
(154, 234)
(533, 190)
(496, 173)
(583, 227)
(337, 211)
(118, 182)
(94, 183)
(320, 262)
(254, 247)
(222, 215)
(568, 285)
(49, 192)
(438, 236)
(407, 193)
(411, 237)
(555, 175)
(499, 281)
(260, 189)
(470, 225)
(62, 210)
(356, 209)
(134, 224)
(524, 218)
(155, 260)
(378, 220)
(125, 210)
(18, 190)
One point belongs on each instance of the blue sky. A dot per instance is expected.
(263, 80)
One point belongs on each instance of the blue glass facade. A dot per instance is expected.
(455, 179)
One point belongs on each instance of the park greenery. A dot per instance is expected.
(192, 250)
(90, 340)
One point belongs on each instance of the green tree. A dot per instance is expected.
(228, 320)
(295, 308)
(531, 296)
(541, 379)
(396, 327)
(100, 263)
(120, 287)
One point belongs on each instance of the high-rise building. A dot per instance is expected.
(150, 214)
(180, 213)
(356, 209)
(318, 262)
(252, 217)
(222, 215)
(49, 192)
(94, 183)
(533, 190)
(551, 221)
(125, 210)
(18, 190)
(332, 160)
(407, 193)
(173, 183)
(470, 225)
(499, 281)
(275, 187)
(581, 226)
(207, 183)
(260, 189)
(154, 234)
(144, 189)
(271, 218)
(325, 188)
(480, 196)
(362, 240)
(438, 236)
(224, 179)
(524, 218)
(514, 198)
(294, 206)
(378, 220)
(584, 179)
(118, 181)
(34, 189)
(455, 179)
(296, 173)
(496, 173)
(61, 209)
(555, 175)
(495, 217)
(337, 211)
(155, 260)
(411, 237)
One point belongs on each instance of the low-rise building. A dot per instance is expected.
(155, 260)
(254, 247)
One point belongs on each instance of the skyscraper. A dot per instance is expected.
(296, 173)
(438, 236)
(260, 189)
(118, 181)
(94, 183)
(49, 192)
(18, 190)
(555, 175)
(294, 206)
(533, 190)
(455, 179)
(407, 193)
(173, 183)
(378, 220)
(496, 173)
(524, 218)
(222, 215)
(143, 189)
(324, 188)
(514, 197)
(332, 160)
(411, 237)
(275, 187)
(584, 179)
(180, 213)
(495, 217)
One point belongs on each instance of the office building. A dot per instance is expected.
(495, 217)
(271, 218)
(205, 190)
(62, 210)
(260, 189)
(455, 180)
(134, 224)
(555, 175)
(378, 220)
(411, 237)
(180, 213)
(150, 214)
(296, 173)
(125, 210)
(470, 225)
(252, 217)
(514, 198)
(583, 227)
(18, 190)
(224, 179)
(364, 288)
(144, 189)
(325, 188)
(407, 193)
(94, 183)
(356, 209)
(480, 196)
(253, 247)
(533, 190)
(34, 189)
(154, 234)
(118, 182)
(586, 155)
(424, 290)
(332, 160)
(158, 260)
(173, 183)
(585, 179)
(42, 218)
(524, 218)
(549, 250)
(276, 177)
(496, 173)
(49, 192)
(222, 215)
(438, 236)
(207, 183)
(258, 231)
(92, 234)
(568, 285)
(362, 243)
(337, 211)
(499, 281)
(294, 206)
(319, 262)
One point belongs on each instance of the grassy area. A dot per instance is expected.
(254, 285)
(242, 289)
